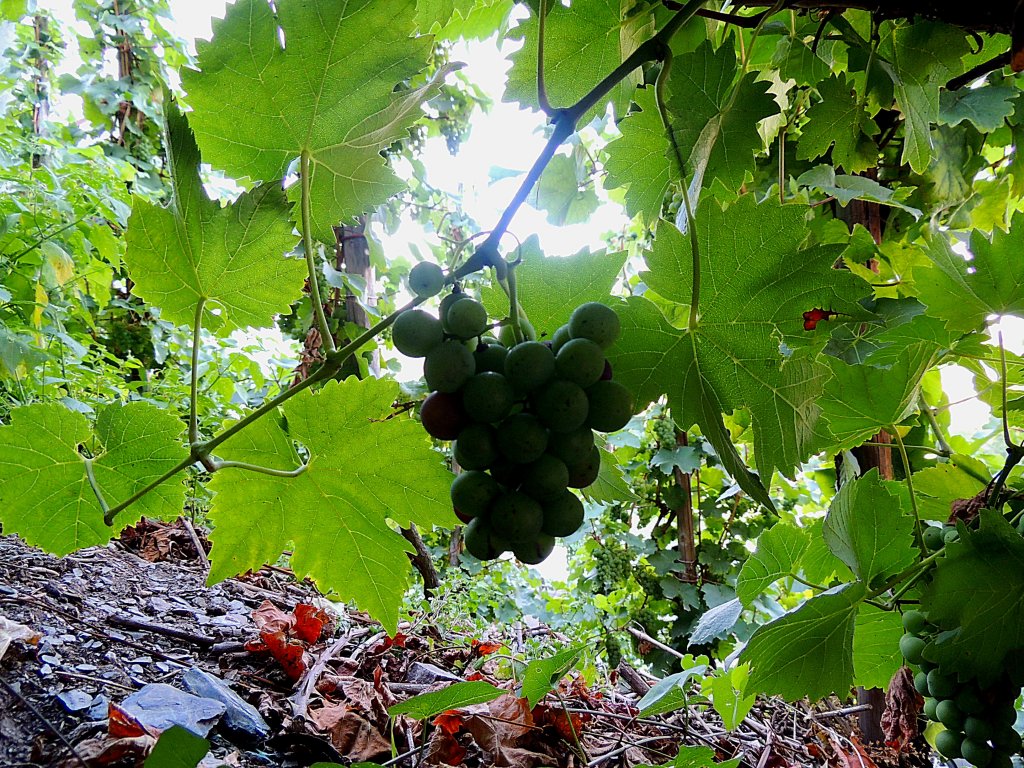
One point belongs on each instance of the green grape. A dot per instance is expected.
(545, 478)
(563, 514)
(480, 540)
(969, 701)
(580, 361)
(507, 336)
(611, 406)
(573, 447)
(490, 356)
(648, 580)
(473, 492)
(585, 473)
(948, 744)
(976, 752)
(535, 551)
(529, 365)
(446, 304)
(560, 338)
(912, 647)
(932, 536)
(921, 683)
(466, 319)
(949, 714)
(930, 709)
(941, 686)
(426, 279)
(416, 332)
(612, 650)
(978, 729)
(914, 622)
(522, 438)
(596, 322)
(1006, 738)
(488, 397)
(561, 406)
(448, 366)
(516, 517)
(950, 534)
(475, 447)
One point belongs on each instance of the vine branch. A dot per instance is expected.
(193, 400)
(307, 245)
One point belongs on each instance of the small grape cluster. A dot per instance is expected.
(522, 415)
(978, 720)
(612, 567)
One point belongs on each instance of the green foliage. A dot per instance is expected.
(177, 748)
(455, 696)
(543, 675)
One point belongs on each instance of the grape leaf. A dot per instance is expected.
(937, 487)
(861, 399)
(45, 493)
(876, 647)
(714, 117)
(550, 288)
(177, 748)
(638, 160)
(196, 250)
(728, 688)
(778, 551)
(716, 622)
(846, 188)
(558, 193)
(755, 285)
(808, 651)
(867, 528)
(610, 486)
(817, 564)
(582, 44)
(330, 93)
(978, 592)
(363, 470)
(455, 696)
(965, 294)
(987, 108)
(543, 675)
(919, 59)
(839, 121)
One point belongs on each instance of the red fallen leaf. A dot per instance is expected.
(310, 622)
(815, 316)
(269, 617)
(568, 725)
(444, 749)
(351, 733)
(290, 654)
(450, 721)
(857, 758)
(482, 648)
(398, 641)
(121, 725)
(472, 677)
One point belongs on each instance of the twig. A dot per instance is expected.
(200, 549)
(422, 560)
(39, 715)
(640, 634)
(842, 712)
(159, 629)
(633, 679)
(96, 680)
(624, 748)
(300, 702)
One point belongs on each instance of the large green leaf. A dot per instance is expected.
(839, 121)
(363, 470)
(550, 288)
(937, 487)
(987, 108)
(868, 529)
(778, 551)
(48, 452)
(177, 748)
(196, 250)
(582, 43)
(808, 651)
(329, 92)
(965, 293)
(876, 647)
(639, 161)
(756, 284)
(543, 675)
(714, 115)
(561, 193)
(978, 591)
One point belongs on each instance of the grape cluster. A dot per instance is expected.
(612, 650)
(522, 416)
(612, 567)
(978, 720)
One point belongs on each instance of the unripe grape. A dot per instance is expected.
(572, 447)
(488, 397)
(490, 356)
(596, 322)
(466, 319)
(475, 447)
(561, 406)
(507, 336)
(480, 540)
(914, 622)
(522, 438)
(941, 686)
(585, 473)
(545, 478)
(560, 338)
(580, 361)
(416, 332)
(978, 729)
(563, 515)
(426, 279)
(932, 536)
(949, 713)
(446, 304)
(948, 744)
(473, 493)
(611, 406)
(529, 365)
(535, 551)
(516, 517)
(911, 647)
(448, 366)
(976, 752)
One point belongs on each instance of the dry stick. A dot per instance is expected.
(640, 634)
(39, 715)
(159, 629)
(624, 748)
(300, 704)
(200, 549)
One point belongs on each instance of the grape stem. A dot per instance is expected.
(513, 303)
(918, 531)
(307, 246)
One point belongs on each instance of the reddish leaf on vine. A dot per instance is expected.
(450, 721)
(310, 622)
(815, 316)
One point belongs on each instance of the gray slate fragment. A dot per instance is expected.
(74, 701)
(240, 717)
(427, 674)
(160, 706)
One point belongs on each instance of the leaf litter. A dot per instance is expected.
(285, 678)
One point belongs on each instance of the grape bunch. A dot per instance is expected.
(612, 567)
(978, 720)
(522, 415)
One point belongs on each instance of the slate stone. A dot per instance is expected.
(74, 701)
(427, 674)
(160, 706)
(240, 717)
